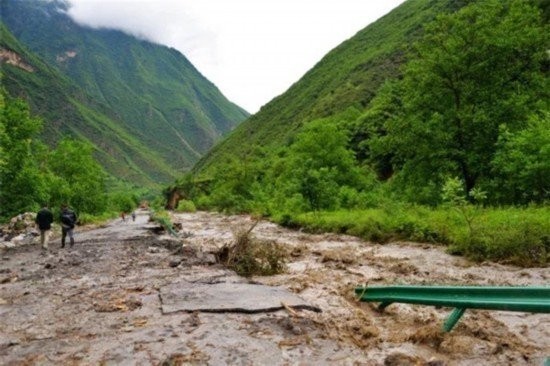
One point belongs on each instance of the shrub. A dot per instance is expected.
(186, 206)
(163, 218)
(249, 256)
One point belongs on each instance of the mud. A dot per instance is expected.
(101, 302)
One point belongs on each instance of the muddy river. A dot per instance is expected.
(126, 294)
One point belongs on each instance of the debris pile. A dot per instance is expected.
(21, 229)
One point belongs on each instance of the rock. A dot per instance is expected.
(188, 250)
(7, 245)
(401, 359)
(174, 263)
(209, 258)
(18, 238)
(22, 222)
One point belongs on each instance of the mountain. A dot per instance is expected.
(148, 111)
(68, 110)
(347, 77)
(437, 94)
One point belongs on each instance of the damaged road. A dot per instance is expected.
(125, 295)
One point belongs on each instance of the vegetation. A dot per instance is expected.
(68, 112)
(32, 175)
(249, 256)
(186, 206)
(513, 235)
(430, 154)
(474, 74)
(163, 219)
(142, 103)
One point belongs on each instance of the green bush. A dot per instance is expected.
(186, 206)
(517, 236)
(122, 201)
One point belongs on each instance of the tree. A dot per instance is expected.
(318, 165)
(473, 71)
(522, 163)
(22, 185)
(80, 180)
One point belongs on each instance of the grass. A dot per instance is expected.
(519, 236)
(86, 219)
(163, 218)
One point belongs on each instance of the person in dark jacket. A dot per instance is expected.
(44, 219)
(68, 221)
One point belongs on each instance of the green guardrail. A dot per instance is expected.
(526, 299)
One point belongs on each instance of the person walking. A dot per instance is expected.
(133, 215)
(44, 219)
(68, 221)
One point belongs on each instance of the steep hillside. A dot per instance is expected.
(159, 99)
(67, 110)
(348, 77)
(438, 96)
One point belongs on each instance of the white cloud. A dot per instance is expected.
(253, 50)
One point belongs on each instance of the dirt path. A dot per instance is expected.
(102, 303)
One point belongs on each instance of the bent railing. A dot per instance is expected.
(526, 299)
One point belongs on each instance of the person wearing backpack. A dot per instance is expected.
(68, 221)
(44, 219)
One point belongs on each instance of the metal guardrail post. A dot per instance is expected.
(453, 319)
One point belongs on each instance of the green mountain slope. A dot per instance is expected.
(157, 96)
(347, 77)
(68, 110)
(437, 94)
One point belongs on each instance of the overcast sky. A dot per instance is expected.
(253, 50)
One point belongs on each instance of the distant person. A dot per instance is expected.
(68, 221)
(133, 215)
(123, 216)
(44, 219)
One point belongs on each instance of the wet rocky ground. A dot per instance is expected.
(127, 295)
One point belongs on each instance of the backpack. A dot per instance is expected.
(67, 218)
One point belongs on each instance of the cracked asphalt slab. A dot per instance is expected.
(127, 296)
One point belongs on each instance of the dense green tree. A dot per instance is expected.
(473, 71)
(522, 164)
(22, 185)
(80, 180)
(318, 165)
(125, 201)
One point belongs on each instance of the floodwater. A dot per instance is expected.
(104, 302)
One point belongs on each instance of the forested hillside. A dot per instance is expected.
(69, 111)
(346, 78)
(439, 103)
(143, 104)
(419, 104)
